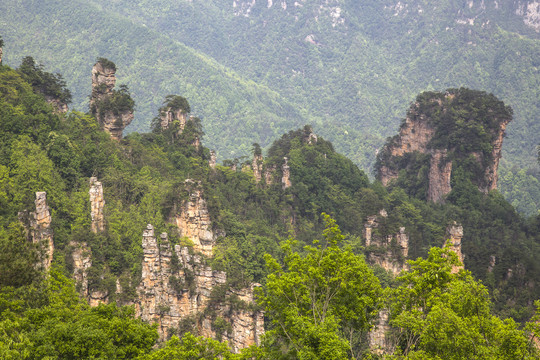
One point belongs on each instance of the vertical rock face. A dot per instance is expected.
(170, 115)
(391, 250)
(41, 232)
(379, 338)
(440, 171)
(454, 234)
(433, 129)
(112, 114)
(177, 286)
(257, 166)
(97, 204)
(269, 174)
(193, 220)
(1, 52)
(82, 261)
(286, 179)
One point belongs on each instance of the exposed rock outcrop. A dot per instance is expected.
(431, 128)
(454, 234)
(1, 52)
(41, 231)
(82, 261)
(286, 178)
(380, 338)
(257, 166)
(97, 204)
(390, 251)
(113, 109)
(177, 286)
(169, 115)
(440, 171)
(193, 220)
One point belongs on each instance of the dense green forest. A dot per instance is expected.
(302, 242)
(255, 70)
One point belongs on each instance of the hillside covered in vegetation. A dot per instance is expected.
(83, 273)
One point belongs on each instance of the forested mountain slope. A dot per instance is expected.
(346, 67)
(68, 36)
(78, 201)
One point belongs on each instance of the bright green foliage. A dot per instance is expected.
(63, 327)
(18, 257)
(190, 347)
(440, 314)
(320, 303)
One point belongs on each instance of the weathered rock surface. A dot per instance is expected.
(193, 220)
(440, 171)
(454, 234)
(380, 338)
(169, 115)
(286, 178)
(177, 285)
(389, 258)
(1, 52)
(114, 121)
(97, 204)
(41, 232)
(416, 135)
(257, 166)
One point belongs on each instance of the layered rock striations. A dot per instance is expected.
(454, 235)
(460, 128)
(193, 220)
(177, 286)
(97, 205)
(112, 108)
(386, 251)
(40, 229)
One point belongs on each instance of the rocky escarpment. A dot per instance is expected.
(178, 290)
(386, 251)
(460, 128)
(112, 108)
(389, 252)
(193, 220)
(178, 287)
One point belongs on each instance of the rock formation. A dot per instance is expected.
(257, 166)
(269, 174)
(97, 203)
(286, 179)
(176, 286)
(193, 220)
(434, 133)
(389, 252)
(169, 115)
(113, 109)
(454, 234)
(380, 338)
(82, 261)
(41, 232)
(392, 250)
(1, 52)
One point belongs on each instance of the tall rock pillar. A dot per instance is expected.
(97, 203)
(42, 234)
(113, 109)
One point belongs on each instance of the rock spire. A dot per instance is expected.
(112, 108)
(41, 231)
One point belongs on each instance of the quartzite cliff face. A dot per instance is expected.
(111, 108)
(427, 131)
(177, 288)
